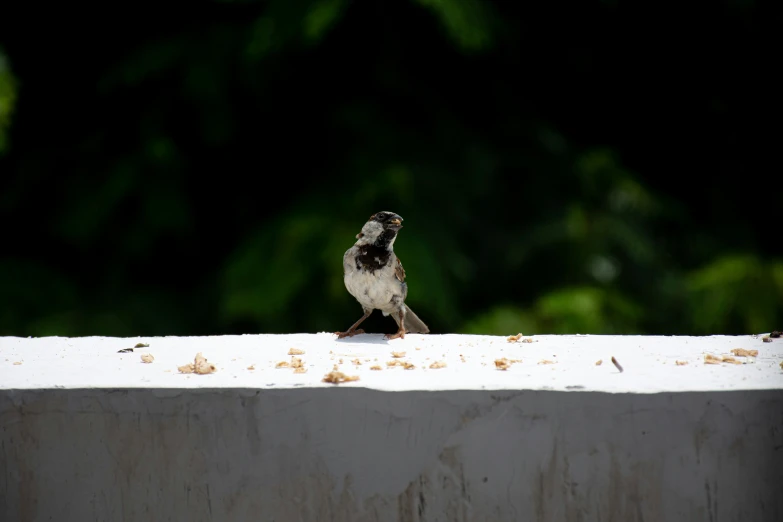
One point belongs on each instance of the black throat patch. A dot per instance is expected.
(376, 256)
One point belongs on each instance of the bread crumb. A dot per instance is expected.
(199, 366)
(417, 348)
(357, 362)
(296, 363)
(142, 345)
(336, 377)
(680, 363)
(340, 361)
(502, 364)
(300, 369)
(398, 355)
(283, 364)
(546, 361)
(730, 360)
(711, 359)
(599, 362)
(147, 358)
(251, 367)
(234, 359)
(17, 363)
(297, 351)
(202, 366)
(514, 338)
(527, 340)
(409, 366)
(376, 368)
(766, 339)
(742, 352)
(335, 368)
(394, 363)
(437, 364)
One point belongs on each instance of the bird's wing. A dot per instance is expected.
(399, 271)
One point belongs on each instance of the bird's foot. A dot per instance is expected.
(400, 334)
(349, 333)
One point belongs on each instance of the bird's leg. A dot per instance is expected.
(352, 330)
(401, 331)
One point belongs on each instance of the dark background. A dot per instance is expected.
(582, 167)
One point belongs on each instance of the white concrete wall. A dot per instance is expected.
(207, 450)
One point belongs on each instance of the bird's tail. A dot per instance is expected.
(412, 322)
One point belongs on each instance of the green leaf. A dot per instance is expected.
(8, 89)
(737, 289)
(501, 320)
(468, 22)
(321, 17)
(586, 310)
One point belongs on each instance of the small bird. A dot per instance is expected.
(373, 274)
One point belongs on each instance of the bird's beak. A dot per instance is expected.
(396, 222)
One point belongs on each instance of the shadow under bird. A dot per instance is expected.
(373, 274)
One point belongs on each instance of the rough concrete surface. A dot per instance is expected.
(569, 443)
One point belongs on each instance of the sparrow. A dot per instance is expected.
(373, 274)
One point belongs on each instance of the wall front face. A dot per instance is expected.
(363, 455)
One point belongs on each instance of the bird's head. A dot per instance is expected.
(381, 226)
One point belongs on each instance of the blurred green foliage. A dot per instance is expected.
(7, 99)
(204, 172)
